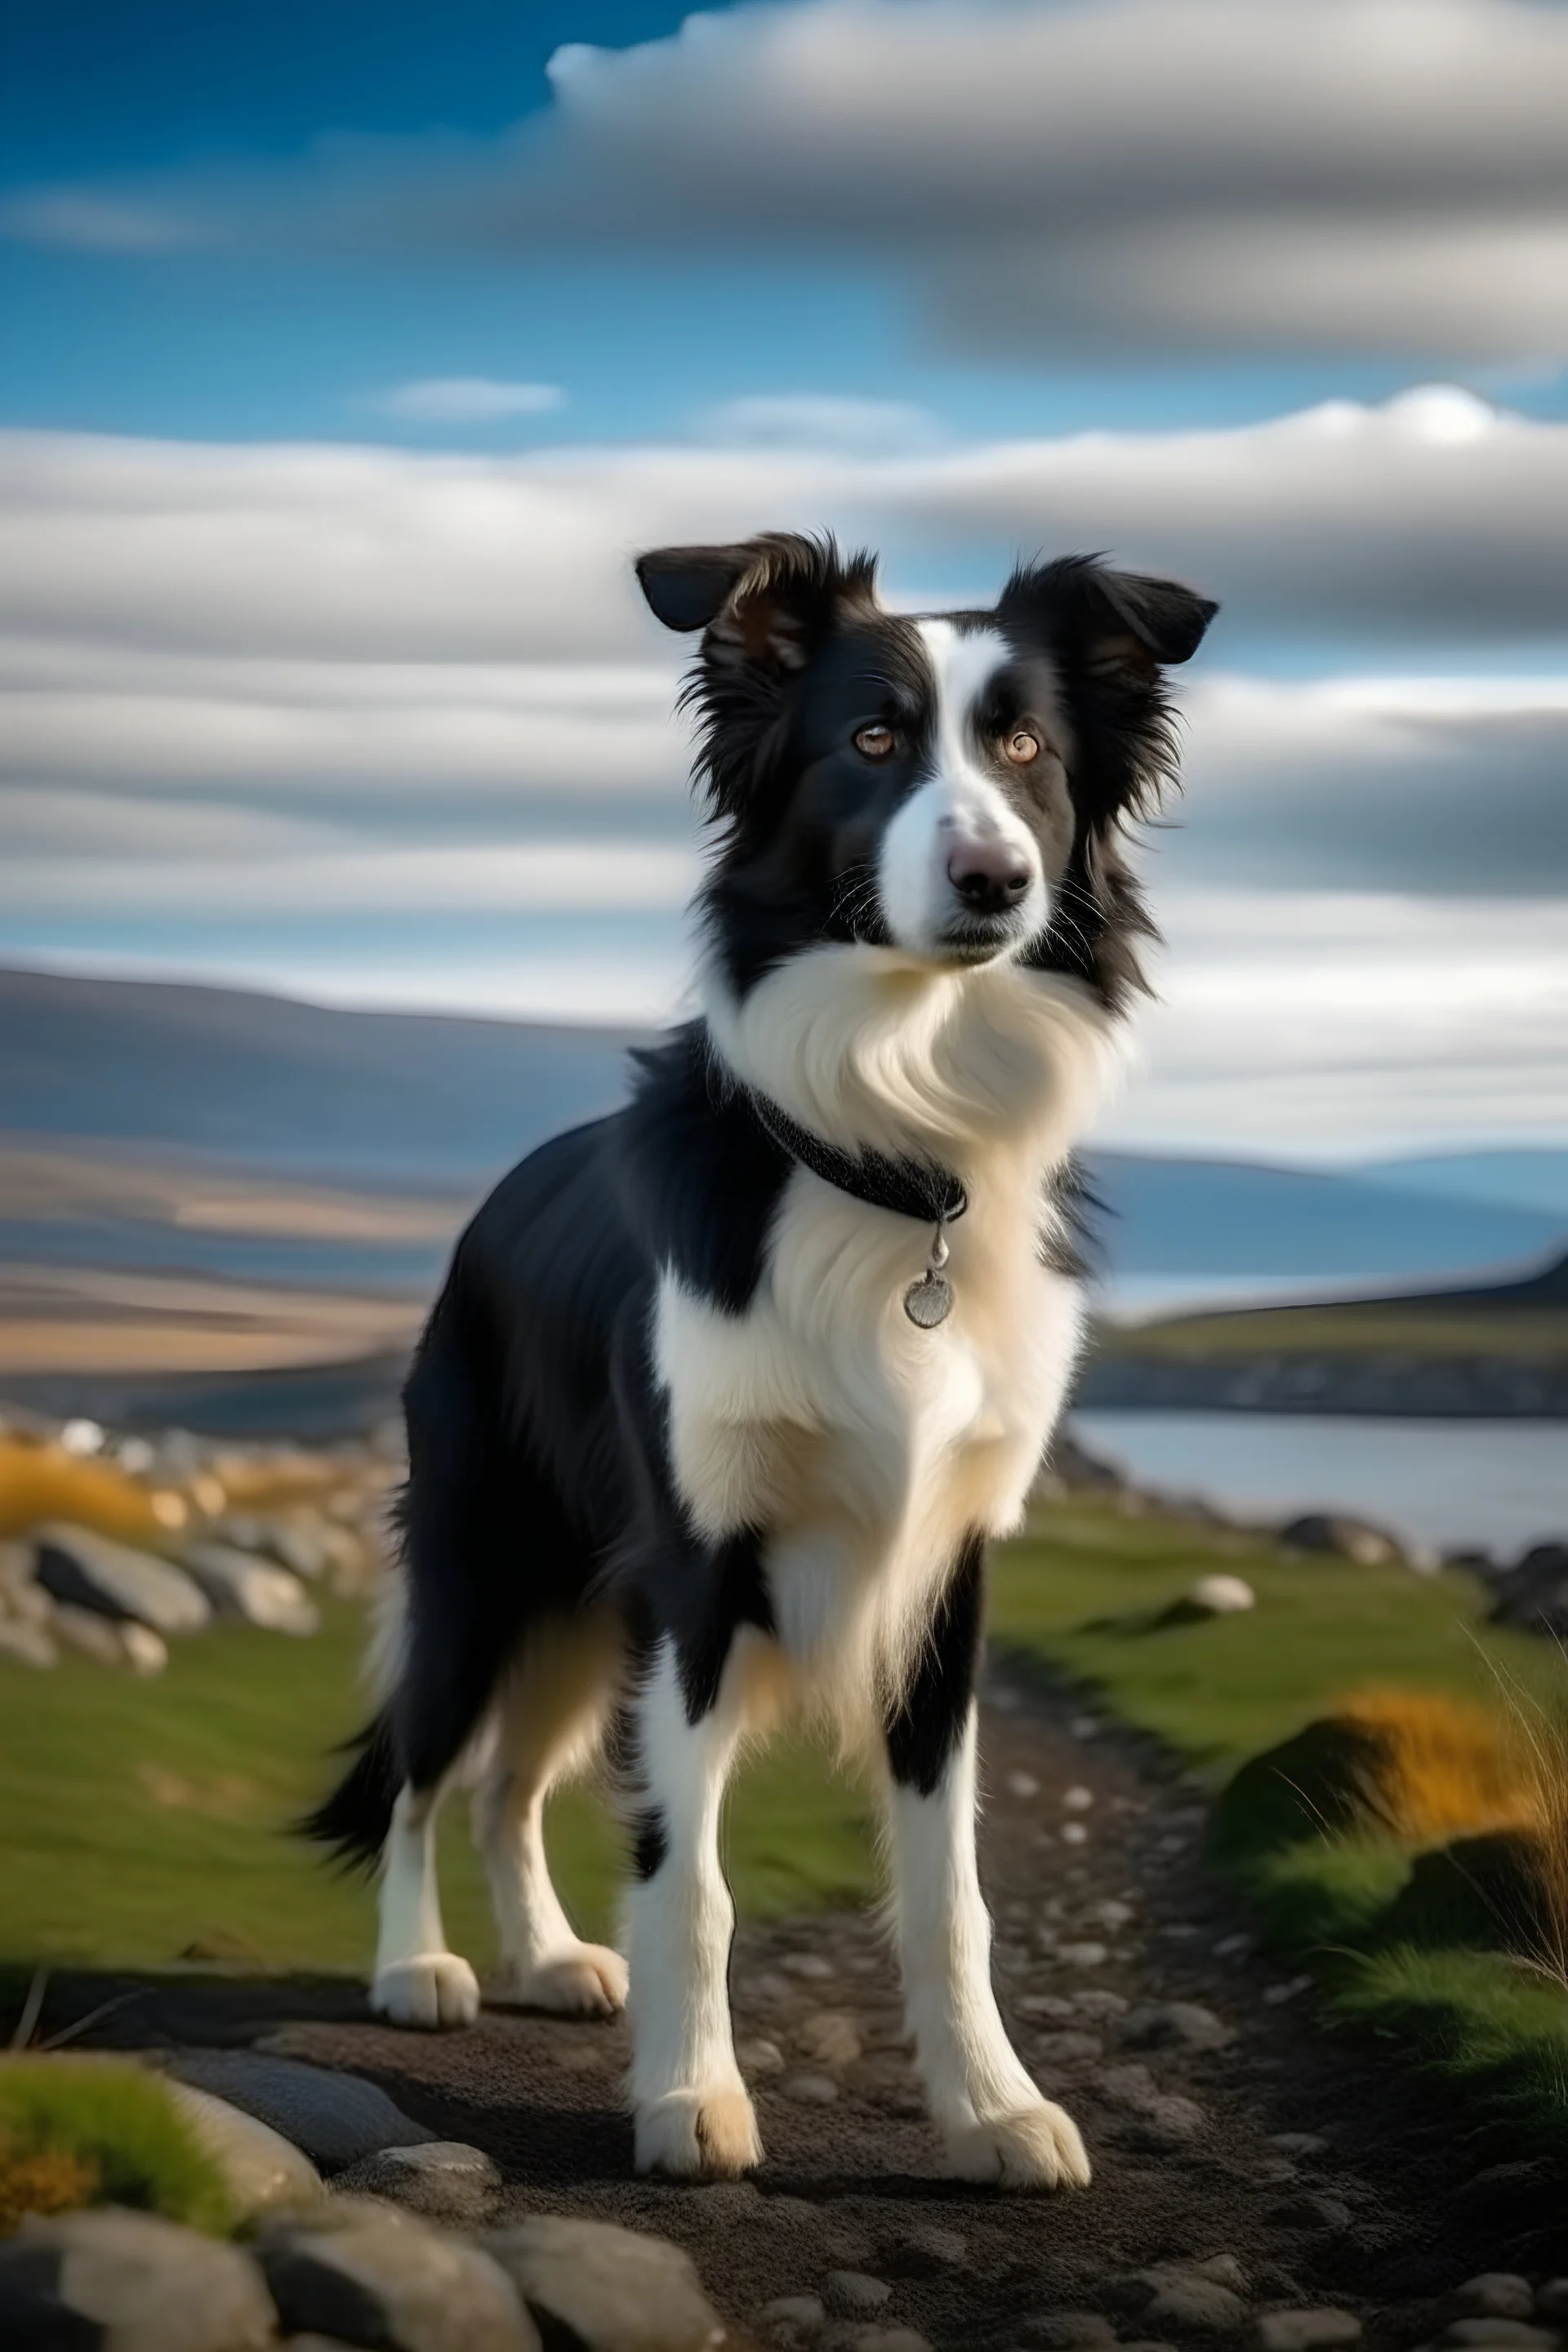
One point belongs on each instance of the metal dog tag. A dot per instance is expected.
(929, 1301)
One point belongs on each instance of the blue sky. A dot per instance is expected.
(1272, 295)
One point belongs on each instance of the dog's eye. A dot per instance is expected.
(1022, 747)
(875, 742)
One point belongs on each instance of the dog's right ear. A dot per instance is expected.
(762, 602)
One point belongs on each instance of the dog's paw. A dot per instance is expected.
(431, 1990)
(1033, 2147)
(699, 2134)
(586, 1981)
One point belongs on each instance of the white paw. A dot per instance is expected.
(586, 1981)
(699, 2134)
(1033, 2147)
(433, 1989)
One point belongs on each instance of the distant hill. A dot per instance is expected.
(424, 1103)
(1527, 1177)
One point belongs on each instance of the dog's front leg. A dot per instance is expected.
(996, 2122)
(693, 2115)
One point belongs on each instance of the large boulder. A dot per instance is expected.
(262, 2171)
(1345, 1537)
(335, 2118)
(1533, 1593)
(374, 2276)
(111, 2281)
(88, 1570)
(239, 1585)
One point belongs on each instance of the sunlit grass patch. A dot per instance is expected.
(82, 2130)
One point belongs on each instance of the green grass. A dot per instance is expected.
(125, 2126)
(144, 1821)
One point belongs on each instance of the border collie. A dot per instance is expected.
(725, 1394)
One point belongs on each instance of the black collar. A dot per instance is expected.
(917, 1188)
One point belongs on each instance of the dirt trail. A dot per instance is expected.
(1104, 1912)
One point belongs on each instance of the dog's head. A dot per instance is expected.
(951, 787)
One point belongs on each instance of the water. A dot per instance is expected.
(1501, 1484)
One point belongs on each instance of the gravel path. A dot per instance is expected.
(1247, 2161)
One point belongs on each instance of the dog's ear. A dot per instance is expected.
(762, 602)
(1110, 619)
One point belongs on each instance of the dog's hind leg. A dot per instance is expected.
(553, 1709)
(417, 1980)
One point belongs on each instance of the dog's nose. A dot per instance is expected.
(988, 876)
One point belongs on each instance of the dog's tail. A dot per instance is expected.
(355, 1820)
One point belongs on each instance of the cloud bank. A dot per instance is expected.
(1375, 177)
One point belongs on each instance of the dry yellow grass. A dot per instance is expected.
(39, 1481)
(44, 2181)
(1439, 1766)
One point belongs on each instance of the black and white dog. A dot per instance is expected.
(725, 1394)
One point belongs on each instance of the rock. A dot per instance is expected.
(335, 2118)
(1347, 1537)
(1495, 2295)
(377, 2276)
(1220, 1596)
(760, 2056)
(1307, 2331)
(146, 1653)
(830, 2037)
(810, 1964)
(251, 1589)
(1068, 2049)
(1067, 2331)
(1077, 1799)
(1515, 2335)
(855, 2294)
(89, 1635)
(1111, 1914)
(790, 2319)
(1191, 2304)
(88, 1571)
(109, 2281)
(1312, 2212)
(1022, 1784)
(1082, 1956)
(616, 2289)
(28, 1646)
(1168, 2121)
(1224, 2269)
(926, 2251)
(1048, 2004)
(445, 2179)
(1298, 2143)
(263, 2173)
(22, 1597)
(1098, 2001)
(1171, 2024)
(810, 2090)
(845, 2336)
(1552, 2300)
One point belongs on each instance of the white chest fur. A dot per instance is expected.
(865, 1447)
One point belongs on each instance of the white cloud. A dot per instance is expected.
(1371, 175)
(872, 428)
(469, 400)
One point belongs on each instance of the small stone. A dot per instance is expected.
(1048, 2004)
(610, 2289)
(927, 2250)
(1194, 2305)
(1068, 2049)
(1495, 2295)
(1022, 1784)
(375, 2274)
(1222, 2268)
(1077, 1799)
(1067, 2331)
(130, 2282)
(263, 2173)
(1312, 2212)
(1298, 2143)
(810, 2090)
(771, 1986)
(790, 2319)
(445, 2179)
(1098, 2001)
(1111, 1914)
(830, 2037)
(1169, 2121)
(1221, 1596)
(1506, 2335)
(760, 2056)
(849, 2338)
(253, 1590)
(1276, 1995)
(854, 2293)
(1074, 1833)
(1082, 1956)
(146, 1653)
(1232, 1948)
(809, 1965)
(1307, 2331)
(28, 1646)
(1165, 2025)
(88, 1634)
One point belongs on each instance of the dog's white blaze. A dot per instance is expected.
(959, 801)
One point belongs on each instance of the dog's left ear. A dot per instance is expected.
(762, 602)
(1110, 618)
